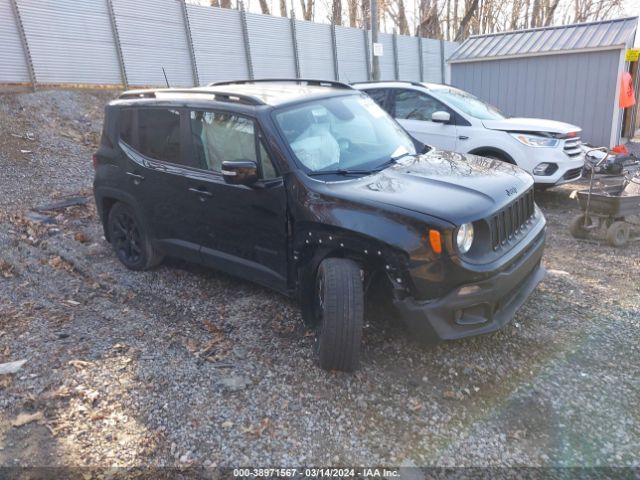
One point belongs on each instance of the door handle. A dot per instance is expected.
(203, 194)
(136, 178)
(463, 137)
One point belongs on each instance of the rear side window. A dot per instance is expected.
(154, 132)
(378, 94)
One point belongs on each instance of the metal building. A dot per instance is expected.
(569, 73)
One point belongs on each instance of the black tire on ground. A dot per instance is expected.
(618, 234)
(339, 300)
(129, 240)
(576, 227)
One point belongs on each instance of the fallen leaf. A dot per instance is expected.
(79, 364)
(227, 424)
(25, 418)
(81, 237)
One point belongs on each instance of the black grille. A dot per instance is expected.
(511, 220)
(573, 173)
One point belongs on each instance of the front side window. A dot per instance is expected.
(413, 105)
(469, 104)
(343, 132)
(218, 137)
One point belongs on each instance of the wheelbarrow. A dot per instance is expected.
(609, 208)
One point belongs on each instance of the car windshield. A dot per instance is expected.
(350, 134)
(469, 104)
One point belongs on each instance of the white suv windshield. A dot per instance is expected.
(343, 133)
(469, 104)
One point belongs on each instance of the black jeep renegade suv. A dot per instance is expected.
(311, 189)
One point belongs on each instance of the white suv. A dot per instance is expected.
(452, 119)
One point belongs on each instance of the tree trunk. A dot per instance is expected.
(462, 29)
(336, 12)
(283, 8)
(264, 7)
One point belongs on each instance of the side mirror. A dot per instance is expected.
(441, 117)
(240, 172)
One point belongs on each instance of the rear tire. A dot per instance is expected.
(576, 227)
(618, 234)
(129, 239)
(339, 305)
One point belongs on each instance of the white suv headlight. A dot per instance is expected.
(464, 237)
(536, 140)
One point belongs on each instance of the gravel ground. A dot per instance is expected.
(182, 366)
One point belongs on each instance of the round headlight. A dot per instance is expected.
(464, 238)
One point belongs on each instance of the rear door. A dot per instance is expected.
(242, 229)
(157, 176)
(413, 110)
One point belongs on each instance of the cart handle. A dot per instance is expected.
(599, 149)
(593, 170)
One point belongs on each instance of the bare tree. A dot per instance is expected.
(471, 7)
(264, 7)
(307, 9)
(336, 12)
(283, 8)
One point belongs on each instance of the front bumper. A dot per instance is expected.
(476, 308)
(568, 171)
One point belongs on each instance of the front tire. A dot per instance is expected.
(129, 240)
(339, 309)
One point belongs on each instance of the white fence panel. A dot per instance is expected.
(352, 59)
(449, 48)
(271, 43)
(70, 42)
(387, 66)
(153, 36)
(218, 42)
(431, 60)
(315, 50)
(13, 66)
(408, 58)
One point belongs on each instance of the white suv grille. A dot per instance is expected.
(573, 146)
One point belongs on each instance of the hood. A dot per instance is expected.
(450, 186)
(530, 125)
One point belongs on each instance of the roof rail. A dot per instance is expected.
(307, 81)
(218, 96)
(409, 82)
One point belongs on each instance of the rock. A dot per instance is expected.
(11, 367)
(234, 383)
(39, 218)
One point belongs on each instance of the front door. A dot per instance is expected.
(242, 229)
(413, 110)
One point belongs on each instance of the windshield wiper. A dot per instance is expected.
(341, 171)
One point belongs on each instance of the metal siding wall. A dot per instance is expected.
(271, 46)
(577, 88)
(70, 42)
(387, 69)
(13, 66)
(449, 48)
(431, 61)
(153, 36)
(218, 43)
(408, 60)
(315, 50)
(352, 62)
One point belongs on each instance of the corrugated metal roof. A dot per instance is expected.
(535, 41)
